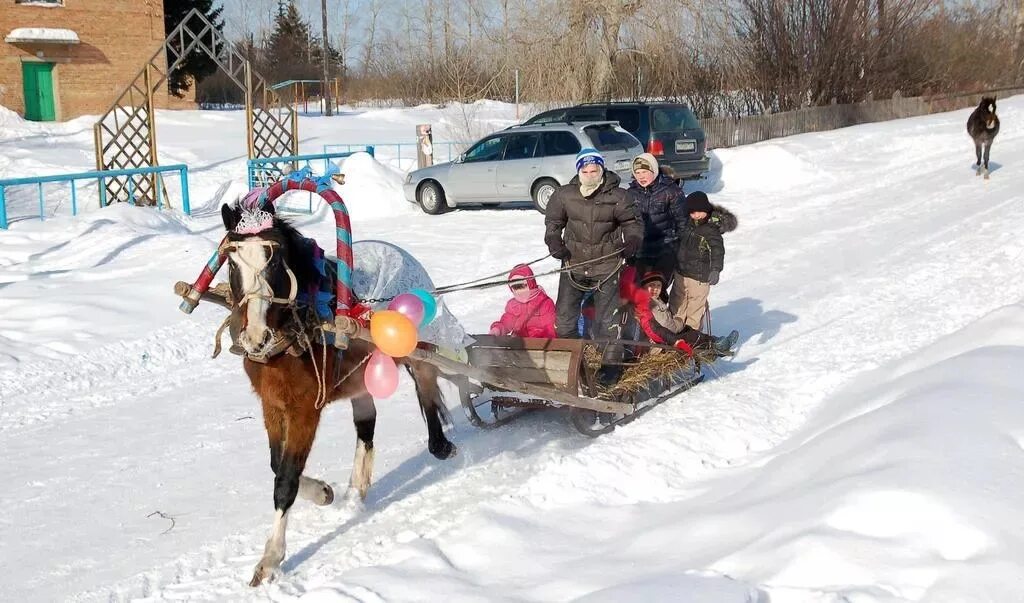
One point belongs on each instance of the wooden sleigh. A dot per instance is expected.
(511, 375)
(507, 376)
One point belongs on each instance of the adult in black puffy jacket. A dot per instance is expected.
(593, 222)
(700, 257)
(660, 202)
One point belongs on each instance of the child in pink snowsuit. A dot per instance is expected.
(530, 312)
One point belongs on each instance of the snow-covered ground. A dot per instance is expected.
(864, 445)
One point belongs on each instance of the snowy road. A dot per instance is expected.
(856, 250)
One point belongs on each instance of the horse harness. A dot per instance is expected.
(295, 343)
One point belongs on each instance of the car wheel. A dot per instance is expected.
(431, 198)
(542, 192)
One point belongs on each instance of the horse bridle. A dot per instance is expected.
(259, 272)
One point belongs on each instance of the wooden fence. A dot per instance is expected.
(733, 131)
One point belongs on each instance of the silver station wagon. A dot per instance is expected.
(520, 164)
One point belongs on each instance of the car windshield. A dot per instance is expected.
(607, 137)
(664, 119)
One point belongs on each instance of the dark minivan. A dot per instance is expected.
(669, 131)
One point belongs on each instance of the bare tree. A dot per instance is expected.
(371, 33)
(326, 91)
(1018, 43)
(736, 57)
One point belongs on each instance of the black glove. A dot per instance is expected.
(562, 253)
(713, 279)
(630, 249)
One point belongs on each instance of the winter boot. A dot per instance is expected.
(723, 345)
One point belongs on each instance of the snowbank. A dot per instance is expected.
(372, 190)
(902, 488)
(768, 167)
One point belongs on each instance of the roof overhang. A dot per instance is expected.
(42, 35)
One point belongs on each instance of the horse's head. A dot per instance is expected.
(259, 248)
(988, 107)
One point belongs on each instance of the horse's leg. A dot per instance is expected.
(273, 421)
(364, 415)
(299, 432)
(316, 491)
(988, 148)
(977, 153)
(425, 377)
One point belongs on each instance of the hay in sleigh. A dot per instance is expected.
(641, 373)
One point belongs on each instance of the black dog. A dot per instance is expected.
(983, 125)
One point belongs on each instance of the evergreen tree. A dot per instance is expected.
(197, 64)
(292, 52)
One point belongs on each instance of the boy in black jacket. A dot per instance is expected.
(700, 257)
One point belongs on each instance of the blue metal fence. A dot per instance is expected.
(263, 171)
(392, 151)
(100, 176)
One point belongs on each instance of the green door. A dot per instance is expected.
(38, 88)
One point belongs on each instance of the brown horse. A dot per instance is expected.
(983, 125)
(295, 373)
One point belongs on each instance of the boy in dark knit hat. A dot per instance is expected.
(700, 257)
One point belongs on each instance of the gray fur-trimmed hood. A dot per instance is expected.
(725, 220)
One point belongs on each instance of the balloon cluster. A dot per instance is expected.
(395, 333)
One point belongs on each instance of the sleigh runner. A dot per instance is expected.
(513, 375)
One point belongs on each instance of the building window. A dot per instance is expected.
(40, 2)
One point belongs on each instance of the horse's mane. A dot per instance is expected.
(298, 258)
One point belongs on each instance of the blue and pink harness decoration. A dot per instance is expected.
(252, 205)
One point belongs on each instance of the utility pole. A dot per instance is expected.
(326, 88)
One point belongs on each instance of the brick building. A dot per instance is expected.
(60, 59)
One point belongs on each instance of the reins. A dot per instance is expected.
(489, 282)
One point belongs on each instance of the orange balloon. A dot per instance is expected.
(393, 333)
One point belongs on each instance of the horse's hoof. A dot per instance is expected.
(328, 496)
(264, 574)
(443, 450)
(354, 498)
(316, 491)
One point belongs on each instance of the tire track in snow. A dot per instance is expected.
(420, 498)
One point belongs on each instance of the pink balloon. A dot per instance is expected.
(381, 375)
(409, 306)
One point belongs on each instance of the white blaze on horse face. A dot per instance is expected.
(251, 260)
